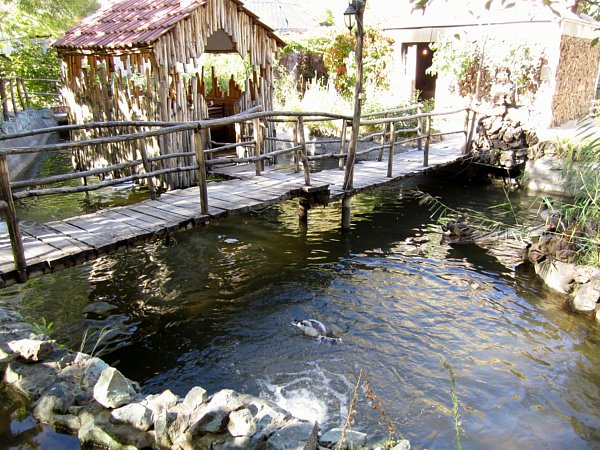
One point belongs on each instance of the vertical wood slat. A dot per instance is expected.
(419, 127)
(296, 152)
(341, 161)
(257, 143)
(148, 169)
(4, 98)
(427, 141)
(199, 146)
(391, 152)
(11, 86)
(20, 94)
(300, 126)
(12, 221)
(383, 136)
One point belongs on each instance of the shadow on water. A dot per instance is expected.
(213, 308)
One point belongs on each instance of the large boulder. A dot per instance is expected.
(32, 350)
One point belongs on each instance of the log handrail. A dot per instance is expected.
(390, 120)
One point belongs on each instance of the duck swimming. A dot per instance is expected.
(313, 328)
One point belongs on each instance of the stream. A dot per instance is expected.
(213, 307)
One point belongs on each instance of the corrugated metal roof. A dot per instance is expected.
(282, 15)
(131, 23)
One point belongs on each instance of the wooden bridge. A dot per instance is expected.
(247, 184)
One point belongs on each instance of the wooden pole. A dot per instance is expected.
(380, 157)
(419, 127)
(427, 141)
(27, 99)
(300, 126)
(11, 86)
(4, 98)
(12, 222)
(296, 152)
(358, 88)
(148, 168)
(465, 144)
(391, 152)
(199, 146)
(257, 143)
(342, 162)
(20, 93)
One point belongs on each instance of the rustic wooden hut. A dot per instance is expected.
(140, 60)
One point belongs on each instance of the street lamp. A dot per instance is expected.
(354, 6)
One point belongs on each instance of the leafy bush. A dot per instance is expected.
(377, 53)
(30, 61)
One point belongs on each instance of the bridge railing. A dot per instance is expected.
(389, 129)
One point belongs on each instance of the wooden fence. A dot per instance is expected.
(389, 130)
(16, 94)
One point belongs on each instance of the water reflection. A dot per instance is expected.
(213, 308)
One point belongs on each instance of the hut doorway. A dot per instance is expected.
(223, 76)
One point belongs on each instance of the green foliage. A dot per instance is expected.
(377, 54)
(327, 19)
(27, 18)
(309, 53)
(42, 328)
(29, 61)
(459, 58)
(454, 398)
(225, 65)
(581, 175)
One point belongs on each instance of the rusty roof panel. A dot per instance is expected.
(134, 23)
(128, 23)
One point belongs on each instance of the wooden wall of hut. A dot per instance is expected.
(153, 85)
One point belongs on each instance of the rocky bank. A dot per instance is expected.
(83, 395)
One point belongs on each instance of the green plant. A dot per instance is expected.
(377, 54)
(102, 334)
(455, 403)
(43, 328)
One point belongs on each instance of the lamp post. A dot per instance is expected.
(354, 15)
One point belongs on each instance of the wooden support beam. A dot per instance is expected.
(304, 154)
(427, 141)
(257, 134)
(342, 161)
(12, 221)
(199, 145)
(391, 151)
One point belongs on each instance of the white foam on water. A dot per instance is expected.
(312, 394)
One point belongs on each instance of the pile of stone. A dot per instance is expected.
(502, 141)
(84, 395)
(553, 258)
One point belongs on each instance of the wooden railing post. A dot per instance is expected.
(300, 127)
(419, 127)
(4, 98)
(341, 162)
(18, 82)
(148, 168)
(471, 130)
(391, 152)
(257, 144)
(380, 157)
(11, 86)
(12, 222)
(296, 152)
(427, 141)
(199, 146)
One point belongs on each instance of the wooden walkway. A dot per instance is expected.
(59, 244)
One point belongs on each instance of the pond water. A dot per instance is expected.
(214, 306)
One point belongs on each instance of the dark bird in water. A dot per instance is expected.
(458, 229)
(554, 218)
(313, 328)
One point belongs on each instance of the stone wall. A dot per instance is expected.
(26, 120)
(576, 77)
